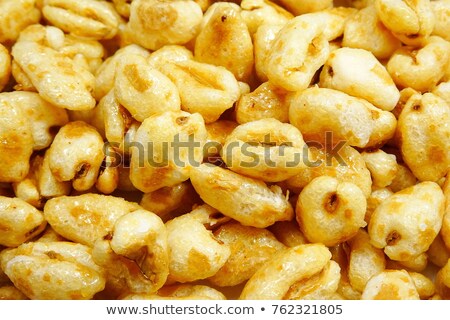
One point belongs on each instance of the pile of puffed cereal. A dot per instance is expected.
(95, 94)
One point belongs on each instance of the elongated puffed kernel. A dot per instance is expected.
(288, 233)
(445, 232)
(246, 200)
(405, 224)
(391, 285)
(143, 90)
(224, 37)
(364, 30)
(16, 141)
(318, 111)
(76, 155)
(365, 260)
(371, 81)
(263, 12)
(298, 51)
(274, 279)
(263, 41)
(159, 157)
(16, 15)
(83, 18)
(53, 270)
(45, 118)
(5, 66)
(345, 164)
(382, 166)
(56, 77)
(250, 248)
(425, 287)
(195, 253)
(424, 136)
(19, 221)
(87, 217)
(157, 23)
(411, 22)
(306, 6)
(329, 211)
(420, 68)
(204, 88)
(441, 10)
(267, 101)
(265, 149)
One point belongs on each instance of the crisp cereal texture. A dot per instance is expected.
(211, 150)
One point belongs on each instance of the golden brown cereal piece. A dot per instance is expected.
(108, 176)
(76, 155)
(424, 286)
(411, 22)
(11, 293)
(105, 74)
(265, 149)
(246, 200)
(345, 164)
(53, 270)
(405, 224)
(441, 10)
(56, 77)
(266, 101)
(205, 89)
(19, 221)
(274, 279)
(263, 12)
(306, 6)
(23, 82)
(403, 179)
(165, 149)
(364, 30)
(438, 253)
(16, 141)
(263, 41)
(87, 217)
(170, 202)
(329, 211)
(443, 281)
(420, 68)
(424, 136)
(48, 185)
(219, 130)
(382, 166)
(359, 4)
(180, 292)
(223, 38)
(16, 15)
(321, 286)
(288, 233)
(443, 90)
(375, 199)
(142, 237)
(44, 117)
(391, 285)
(319, 111)
(123, 7)
(365, 260)
(250, 248)
(445, 232)
(142, 90)
(83, 18)
(194, 252)
(157, 23)
(298, 51)
(417, 264)
(5, 66)
(358, 73)
(27, 190)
